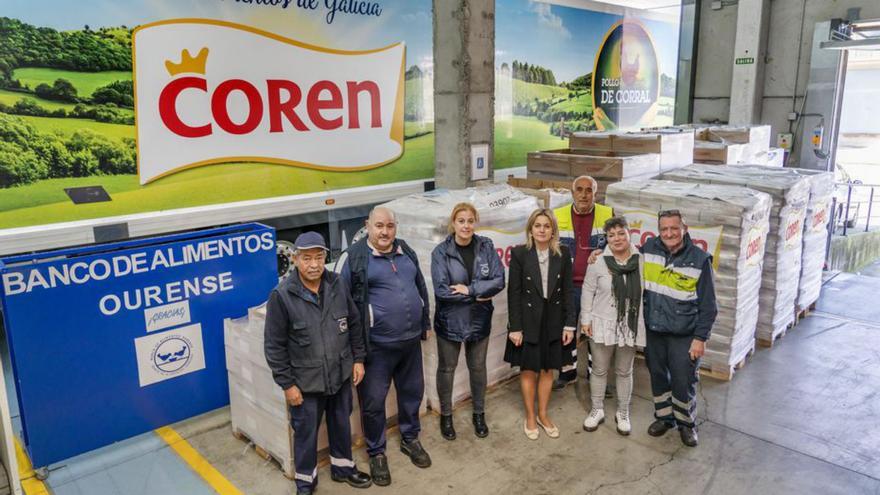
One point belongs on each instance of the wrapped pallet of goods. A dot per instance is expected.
(422, 222)
(815, 232)
(257, 407)
(782, 261)
(728, 222)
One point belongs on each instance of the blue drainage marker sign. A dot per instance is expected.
(114, 340)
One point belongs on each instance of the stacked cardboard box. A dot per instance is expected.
(733, 144)
(422, 222)
(610, 157)
(782, 262)
(257, 405)
(729, 222)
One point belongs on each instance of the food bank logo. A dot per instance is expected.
(210, 92)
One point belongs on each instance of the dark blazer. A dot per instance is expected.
(525, 298)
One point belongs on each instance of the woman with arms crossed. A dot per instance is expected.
(466, 273)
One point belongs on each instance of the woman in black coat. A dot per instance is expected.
(541, 316)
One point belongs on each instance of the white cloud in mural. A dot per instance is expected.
(549, 19)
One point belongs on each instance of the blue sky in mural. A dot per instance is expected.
(565, 39)
(400, 20)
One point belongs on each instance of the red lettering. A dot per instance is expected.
(645, 237)
(507, 253)
(701, 244)
(353, 92)
(277, 108)
(315, 104)
(168, 107)
(220, 111)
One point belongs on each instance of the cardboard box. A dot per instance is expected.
(604, 164)
(719, 153)
(758, 134)
(591, 141)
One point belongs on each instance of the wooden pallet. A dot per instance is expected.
(769, 343)
(800, 314)
(285, 465)
(726, 373)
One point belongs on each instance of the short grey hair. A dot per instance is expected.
(382, 208)
(595, 184)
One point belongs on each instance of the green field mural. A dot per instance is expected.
(85, 82)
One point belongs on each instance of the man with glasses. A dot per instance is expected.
(680, 308)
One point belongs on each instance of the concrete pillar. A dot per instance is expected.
(464, 87)
(750, 48)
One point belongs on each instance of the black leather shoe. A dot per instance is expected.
(379, 470)
(688, 436)
(357, 479)
(659, 428)
(481, 429)
(416, 453)
(447, 428)
(560, 383)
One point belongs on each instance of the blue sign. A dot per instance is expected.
(114, 340)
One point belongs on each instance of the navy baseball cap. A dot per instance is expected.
(310, 240)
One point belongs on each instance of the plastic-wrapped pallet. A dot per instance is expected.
(815, 232)
(782, 262)
(422, 223)
(257, 405)
(730, 223)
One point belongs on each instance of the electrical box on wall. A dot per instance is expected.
(783, 140)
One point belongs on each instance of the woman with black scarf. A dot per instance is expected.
(612, 316)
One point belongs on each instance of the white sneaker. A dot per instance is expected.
(621, 417)
(594, 419)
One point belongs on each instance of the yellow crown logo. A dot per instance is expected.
(636, 225)
(188, 63)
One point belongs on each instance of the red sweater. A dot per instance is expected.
(583, 228)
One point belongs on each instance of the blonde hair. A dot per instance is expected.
(554, 238)
(460, 207)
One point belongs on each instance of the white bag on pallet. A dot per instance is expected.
(730, 223)
(782, 261)
(815, 231)
(422, 223)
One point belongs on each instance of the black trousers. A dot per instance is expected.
(568, 372)
(401, 363)
(306, 420)
(674, 377)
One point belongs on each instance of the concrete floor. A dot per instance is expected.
(799, 418)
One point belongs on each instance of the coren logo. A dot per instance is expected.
(250, 95)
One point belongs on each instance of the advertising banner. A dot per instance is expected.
(127, 337)
(110, 111)
(576, 65)
(643, 226)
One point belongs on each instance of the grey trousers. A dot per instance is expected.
(475, 355)
(623, 369)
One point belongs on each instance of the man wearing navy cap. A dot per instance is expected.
(314, 344)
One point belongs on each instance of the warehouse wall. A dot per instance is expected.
(785, 77)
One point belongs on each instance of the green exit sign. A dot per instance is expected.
(745, 61)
